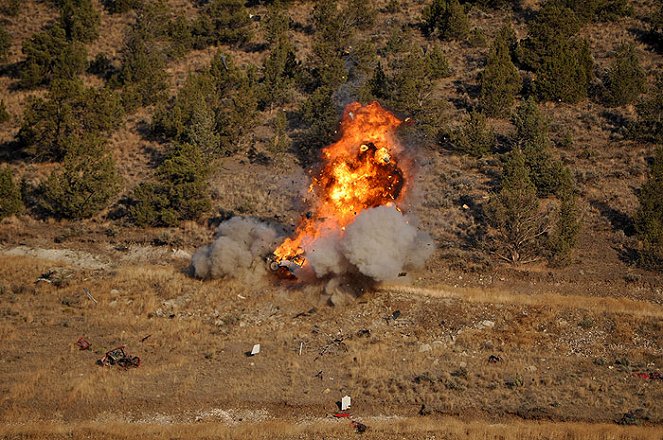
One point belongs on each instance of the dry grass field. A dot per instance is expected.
(477, 349)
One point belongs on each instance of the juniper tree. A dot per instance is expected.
(566, 74)
(79, 19)
(564, 231)
(649, 126)
(279, 68)
(55, 124)
(515, 213)
(5, 42)
(474, 138)
(438, 64)
(120, 6)
(4, 114)
(10, 194)
(85, 183)
(625, 81)
(500, 81)
(361, 13)
(445, 19)
(223, 21)
(178, 192)
(649, 218)
(49, 55)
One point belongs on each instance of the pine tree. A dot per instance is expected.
(84, 185)
(438, 64)
(531, 125)
(446, 19)
(626, 79)
(225, 22)
(566, 73)
(49, 55)
(10, 194)
(120, 6)
(500, 81)
(564, 234)
(5, 42)
(649, 126)
(361, 13)
(649, 218)
(474, 137)
(279, 67)
(516, 215)
(80, 20)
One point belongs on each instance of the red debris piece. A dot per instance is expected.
(83, 344)
(649, 375)
(342, 415)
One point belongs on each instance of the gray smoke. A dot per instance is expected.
(381, 243)
(238, 250)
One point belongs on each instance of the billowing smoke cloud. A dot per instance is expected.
(380, 244)
(238, 250)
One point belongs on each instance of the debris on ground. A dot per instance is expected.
(255, 350)
(89, 295)
(346, 403)
(649, 375)
(83, 344)
(359, 427)
(340, 415)
(493, 359)
(119, 357)
(59, 277)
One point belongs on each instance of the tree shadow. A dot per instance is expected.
(620, 221)
(617, 123)
(13, 152)
(649, 38)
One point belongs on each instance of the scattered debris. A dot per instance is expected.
(359, 427)
(145, 338)
(493, 359)
(342, 415)
(254, 351)
(83, 344)
(89, 295)
(319, 374)
(119, 357)
(310, 312)
(364, 333)
(396, 315)
(649, 375)
(301, 346)
(346, 403)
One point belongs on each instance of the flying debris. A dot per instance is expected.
(346, 403)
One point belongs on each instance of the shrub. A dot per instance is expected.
(445, 19)
(649, 218)
(178, 193)
(54, 124)
(474, 137)
(180, 36)
(10, 194)
(281, 141)
(142, 74)
(223, 21)
(500, 81)
(5, 42)
(649, 126)
(438, 64)
(49, 55)
(4, 114)
(120, 6)
(79, 19)
(84, 185)
(566, 73)
(515, 213)
(625, 81)
(599, 10)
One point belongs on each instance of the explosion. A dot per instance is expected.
(360, 171)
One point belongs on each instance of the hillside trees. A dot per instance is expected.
(5, 42)
(649, 217)
(279, 68)
(500, 81)
(625, 80)
(79, 19)
(223, 22)
(445, 19)
(649, 126)
(10, 194)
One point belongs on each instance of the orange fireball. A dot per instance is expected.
(359, 171)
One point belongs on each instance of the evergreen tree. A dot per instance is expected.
(625, 80)
(474, 137)
(566, 74)
(49, 55)
(120, 6)
(531, 125)
(5, 42)
(279, 67)
(438, 65)
(649, 126)
(500, 81)
(10, 194)
(4, 114)
(564, 233)
(649, 218)
(179, 191)
(54, 125)
(79, 19)
(379, 84)
(516, 215)
(361, 13)
(223, 22)
(84, 185)
(281, 141)
(319, 115)
(446, 19)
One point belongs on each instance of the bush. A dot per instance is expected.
(474, 137)
(649, 126)
(4, 114)
(79, 19)
(49, 55)
(599, 10)
(515, 213)
(626, 80)
(120, 6)
(84, 185)
(142, 74)
(5, 42)
(179, 193)
(500, 81)
(445, 19)
(566, 73)
(10, 194)
(223, 22)
(649, 218)
(54, 124)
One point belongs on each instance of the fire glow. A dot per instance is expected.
(360, 171)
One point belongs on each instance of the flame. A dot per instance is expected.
(359, 171)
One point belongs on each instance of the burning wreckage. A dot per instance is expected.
(355, 224)
(359, 171)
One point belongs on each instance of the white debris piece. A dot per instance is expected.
(346, 402)
(255, 350)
